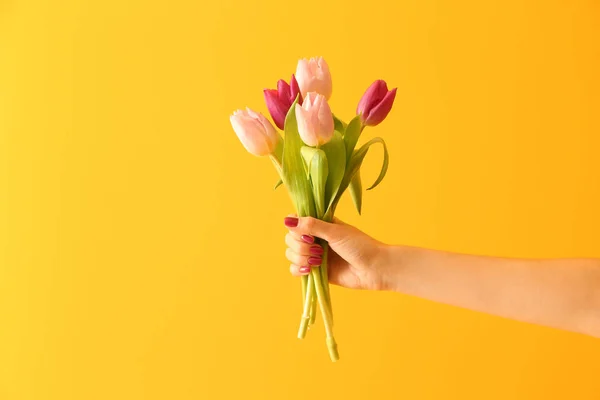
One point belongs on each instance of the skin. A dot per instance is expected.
(558, 293)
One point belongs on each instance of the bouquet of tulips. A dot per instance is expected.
(317, 159)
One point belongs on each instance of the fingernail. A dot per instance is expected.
(314, 261)
(290, 222)
(307, 239)
(304, 270)
(316, 250)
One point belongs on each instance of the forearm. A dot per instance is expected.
(563, 293)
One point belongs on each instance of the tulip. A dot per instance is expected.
(315, 121)
(255, 132)
(376, 103)
(313, 76)
(281, 99)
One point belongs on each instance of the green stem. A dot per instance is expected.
(313, 308)
(306, 311)
(328, 217)
(324, 267)
(324, 270)
(304, 280)
(330, 340)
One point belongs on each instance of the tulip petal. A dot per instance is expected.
(302, 76)
(309, 100)
(245, 130)
(325, 120)
(305, 126)
(372, 96)
(276, 109)
(283, 91)
(313, 76)
(294, 90)
(378, 114)
(313, 116)
(255, 132)
(266, 128)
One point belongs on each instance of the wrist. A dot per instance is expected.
(394, 262)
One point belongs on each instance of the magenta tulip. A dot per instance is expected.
(376, 103)
(281, 99)
(315, 121)
(255, 132)
(313, 76)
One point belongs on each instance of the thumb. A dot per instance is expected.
(331, 232)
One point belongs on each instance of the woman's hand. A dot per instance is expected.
(561, 293)
(355, 261)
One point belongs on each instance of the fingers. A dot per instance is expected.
(302, 250)
(309, 260)
(302, 245)
(297, 270)
(308, 239)
(314, 227)
(303, 253)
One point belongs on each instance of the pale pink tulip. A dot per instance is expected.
(313, 76)
(315, 121)
(255, 132)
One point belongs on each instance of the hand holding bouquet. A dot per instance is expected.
(316, 159)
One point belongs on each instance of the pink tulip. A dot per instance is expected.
(255, 132)
(279, 101)
(315, 121)
(376, 103)
(313, 76)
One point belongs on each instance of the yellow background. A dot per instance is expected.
(141, 248)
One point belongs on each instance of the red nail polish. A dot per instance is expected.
(316, 250)
(307, 239)
(314, 261)
(304, 270)
(290, 222)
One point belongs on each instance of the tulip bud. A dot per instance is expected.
(313, 76)
(279, 101)
(376, 103)
(255, 132)
(315, 121)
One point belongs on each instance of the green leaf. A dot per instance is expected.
(308, 153)
(351, 136)
(355, 164)
(385, 164)
(276, 159)
(316, 162)
(335, 150)
(293, 173)
(306, 160)
(356, 191)
(340, 125)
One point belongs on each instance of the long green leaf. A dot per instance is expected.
(294, 175)
(385, 164)
(316, 162)
(351, 136)
(355, 164)
(356, 191)
(335, 150)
